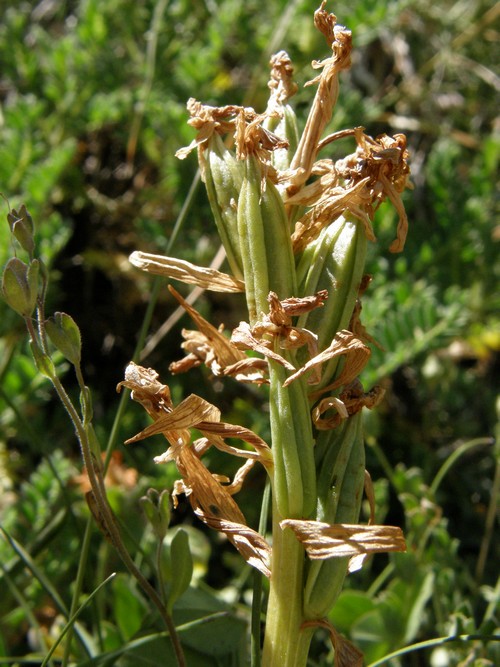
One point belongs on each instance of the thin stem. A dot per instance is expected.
(82, 563)
(145, 92)
(453, 458)
(490, 524)
(106, 518)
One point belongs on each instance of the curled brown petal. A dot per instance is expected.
(251, 545)
(346, 654)
(344, 343)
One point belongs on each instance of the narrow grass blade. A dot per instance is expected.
(73, 618)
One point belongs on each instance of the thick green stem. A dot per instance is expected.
(285, 643)
(294, 492)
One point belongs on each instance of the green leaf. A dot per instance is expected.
(181, 563)
(216, 636)
(127, 607)
(371, 635)
(415, 615)
(350, 606)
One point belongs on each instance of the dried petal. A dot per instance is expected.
(346, 654)
(244, 339)
(340, 40)
(323, 540)
(344, 343)
(251, 545)
(179, 269)
(350, 401)
(211, 346)
(210, 499)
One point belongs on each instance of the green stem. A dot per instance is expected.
(108, 520)
(78, 587)
(285, 643)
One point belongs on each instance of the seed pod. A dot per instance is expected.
(279, 251)
(285, 128)
(292, 445)
(281, 119)
(223, 176)
(43, 362)
(268, 265)
(21, 226)
(252, 240)
(266, 250)
(156, 507)
(335, 261)
(340, 491)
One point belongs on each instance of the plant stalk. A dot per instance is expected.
(285, 643)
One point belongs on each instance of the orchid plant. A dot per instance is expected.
(295, 228)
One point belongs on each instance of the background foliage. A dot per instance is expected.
(92, 111)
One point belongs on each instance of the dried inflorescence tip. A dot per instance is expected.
(358, 183)
(281, 83)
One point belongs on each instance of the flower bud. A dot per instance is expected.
(157, 509)
(20, 285)
(21, 226)
(42, 361)
(65, 334)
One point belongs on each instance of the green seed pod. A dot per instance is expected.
(266, 250)
(223, 176)
(292, 445)
(86, 405)
(268, 264)
(281, 119)
(279, 251)
(65, 334)
(335, 261)
(340, 492)
(285, 128)
(20, 285)
(252, 240)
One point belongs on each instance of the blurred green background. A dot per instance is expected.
(93, 97)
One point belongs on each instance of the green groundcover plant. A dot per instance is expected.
(295, 226)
